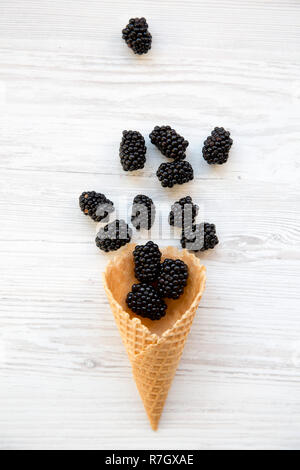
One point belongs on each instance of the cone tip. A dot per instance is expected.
(154, 426)
(154, 420)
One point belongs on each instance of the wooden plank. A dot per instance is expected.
(68, 87)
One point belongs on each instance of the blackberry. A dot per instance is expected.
(113, 236)
(137, 36)
(146, 262)
(171, 144)
(183, 212)
(216, 147)
(132, 151)
(145, 302)
(190, 238)
(172, 278)
(96, 206)
(199, 237)
(143, 212)
(177, 172)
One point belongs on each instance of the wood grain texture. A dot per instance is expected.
(68, 87)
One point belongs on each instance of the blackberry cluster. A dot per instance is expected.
(216, 146)
(143, 212)
(177, 172)
(96, 206)
(132, 151)
(157, 281)
(183, 212)
(145, 301)
(171, 144)
(199, 237)
(114, 235)
(147, 262)
(137, 36)
(172, 278)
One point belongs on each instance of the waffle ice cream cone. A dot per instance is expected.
(154, 348)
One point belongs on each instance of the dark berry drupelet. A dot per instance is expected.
(183, 212)
(199, 237)
(177, 172)
(171, 144)
(113, 236)
(132, 151)
(137, 36)
(96, 206)
(147, 262)
(172, 278)
(216, 147)
(145, 302)
(143, 212)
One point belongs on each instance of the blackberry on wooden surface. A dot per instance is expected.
(177, 172)
(96, 205)
(137, 36)
(169, 142)
(143, 212)
(132, 151)
(183, 212)
(216, 147)
(199, 237)
(113, 236)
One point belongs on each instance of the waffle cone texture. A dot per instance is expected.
(154, 348)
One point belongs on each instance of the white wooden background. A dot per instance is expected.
(68, 87)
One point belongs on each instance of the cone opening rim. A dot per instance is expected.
(155, 338)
